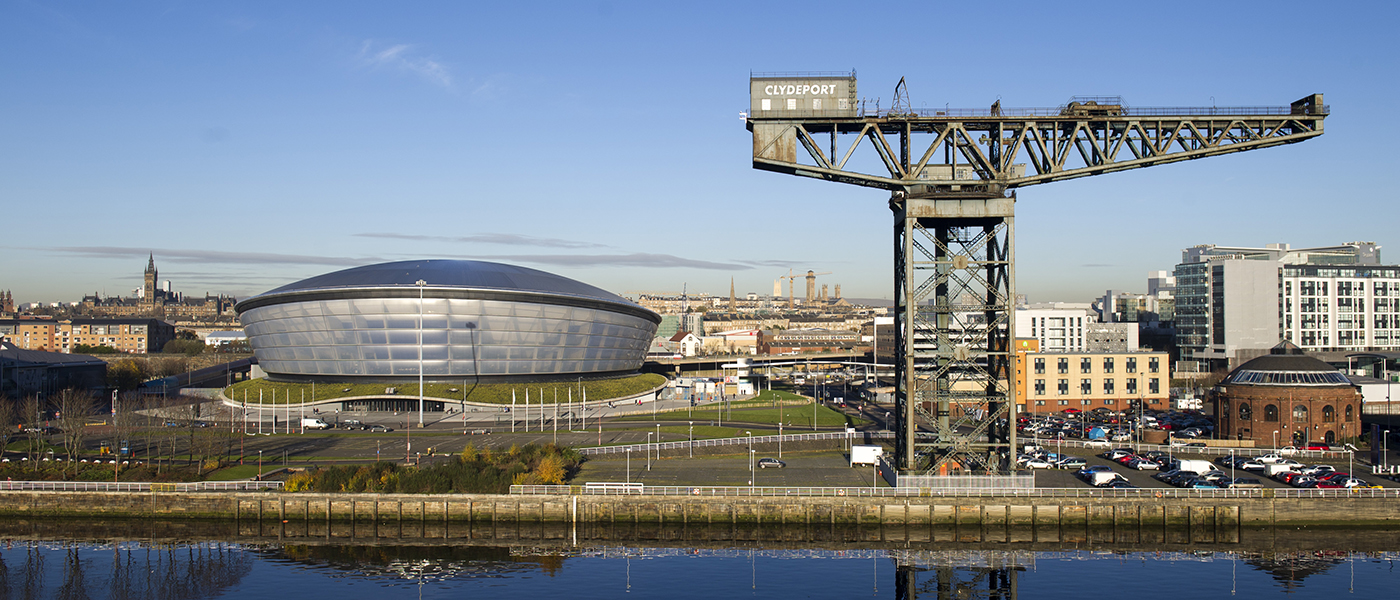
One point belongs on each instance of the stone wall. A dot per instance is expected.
(1009, 511)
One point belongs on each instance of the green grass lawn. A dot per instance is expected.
(236, 472)
(796, 416)
(270, 392)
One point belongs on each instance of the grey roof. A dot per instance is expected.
(1286, 365)
(40, 357)
(449, 274)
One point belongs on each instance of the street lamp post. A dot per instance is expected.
(420, 283)
(780, 436)
(1275, 440)
(751, 469)
(691, 436)
(648, 450)
(259, 465)
(1385, 450)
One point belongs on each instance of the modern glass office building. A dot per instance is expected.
(457, 318)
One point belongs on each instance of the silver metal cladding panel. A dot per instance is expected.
(801, 97)
(380, 337)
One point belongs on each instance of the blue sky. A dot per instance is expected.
(253, 144)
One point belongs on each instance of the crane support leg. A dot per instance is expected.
(954, 308)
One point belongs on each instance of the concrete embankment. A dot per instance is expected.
(1008, 511)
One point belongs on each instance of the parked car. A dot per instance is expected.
(1117, 453)
(376, 428)
(1165, 475)
(1071, 462)
(1144, 464)
(352, 424)
(1244, 482)
(766, 462)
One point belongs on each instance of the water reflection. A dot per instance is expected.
(65, 569)
(416, 563)
(179, 560)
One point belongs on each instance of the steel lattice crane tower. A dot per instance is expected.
(952, 176)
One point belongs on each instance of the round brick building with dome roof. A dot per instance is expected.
(1287, 398)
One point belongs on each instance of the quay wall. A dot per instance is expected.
(987, 511)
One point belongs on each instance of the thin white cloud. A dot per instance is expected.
(179, 255)
(507, 239)
(636, 259)
(401, 57)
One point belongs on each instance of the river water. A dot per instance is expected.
(64, 559)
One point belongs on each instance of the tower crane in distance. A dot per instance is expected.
(952, 176)
(811, 284)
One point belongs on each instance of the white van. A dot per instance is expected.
(314, 424)
(866, 455)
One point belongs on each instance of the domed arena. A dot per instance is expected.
(458, 318)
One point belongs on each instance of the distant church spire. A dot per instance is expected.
(731, 296)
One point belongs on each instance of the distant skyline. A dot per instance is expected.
(251, 145)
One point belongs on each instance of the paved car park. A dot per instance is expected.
(1065, 478)
(804, 469)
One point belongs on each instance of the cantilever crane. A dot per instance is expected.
(954, 206)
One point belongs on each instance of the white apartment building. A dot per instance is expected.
(1057, 329)
(1341, 307)
(1337, 298)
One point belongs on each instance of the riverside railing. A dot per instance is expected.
(889, 492)
(118, 486)
(734, 441)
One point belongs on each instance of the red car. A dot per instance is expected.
(1316, 446)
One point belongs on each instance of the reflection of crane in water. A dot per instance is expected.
(953, 577)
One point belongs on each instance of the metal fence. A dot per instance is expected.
(981, 482)
(890, 492)
(734, 441)
(1297, 454)
(111, 486)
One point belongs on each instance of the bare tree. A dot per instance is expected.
(9, 420)
(75, 407)
(31, 410)
(150, 405)
(124, 422)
